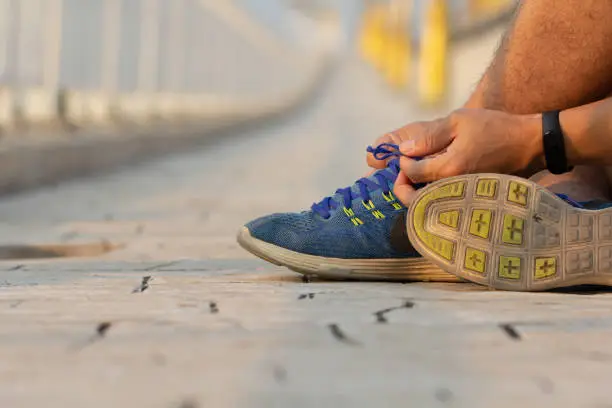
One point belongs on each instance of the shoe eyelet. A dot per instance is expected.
(349, 212)
(369, 205)
(388, 196)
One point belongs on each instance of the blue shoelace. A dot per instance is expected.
(365, 185)
(568, 200)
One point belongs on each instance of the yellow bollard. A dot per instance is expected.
(398, 53)
(432, 84)
(366, 36)
(385, 44)
(480, 7)
(373, 36)
(397, 63)
(380, 39)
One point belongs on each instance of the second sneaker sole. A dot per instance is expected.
(509, 233)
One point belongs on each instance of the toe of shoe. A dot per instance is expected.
(271, 229)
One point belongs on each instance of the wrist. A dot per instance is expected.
(531, 132)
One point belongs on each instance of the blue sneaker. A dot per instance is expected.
(509, 233)
(358, 233)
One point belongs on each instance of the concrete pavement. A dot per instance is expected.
(214, 327)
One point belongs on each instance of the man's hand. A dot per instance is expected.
(469, 141)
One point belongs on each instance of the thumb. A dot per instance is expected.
(403, 189)
(427, 138)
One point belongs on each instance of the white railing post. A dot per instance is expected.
(111, 44)
(175, 61)
(52, 43)
(148, 56)
(6, 18)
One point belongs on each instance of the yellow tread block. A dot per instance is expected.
(480, 224)
(518, 193)
(545, 267)
(450, 218)
(486, 188)
(509, 267)
(441, 246)
(513, 230)
(475, 260)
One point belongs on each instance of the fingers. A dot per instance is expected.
(417, 139)
(375, 163)
(431, 168)
(403, 189)
(387, 138)
(426, 138)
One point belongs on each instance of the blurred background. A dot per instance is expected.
(92, 61)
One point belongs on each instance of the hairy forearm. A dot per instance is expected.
(476, 99)
(487, 94)
(554, 55)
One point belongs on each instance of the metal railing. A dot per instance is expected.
(95, 60)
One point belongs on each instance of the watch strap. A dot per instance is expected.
(554, 143)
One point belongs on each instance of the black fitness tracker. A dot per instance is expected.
(554, 143)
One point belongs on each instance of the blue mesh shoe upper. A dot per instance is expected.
(363, 221)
